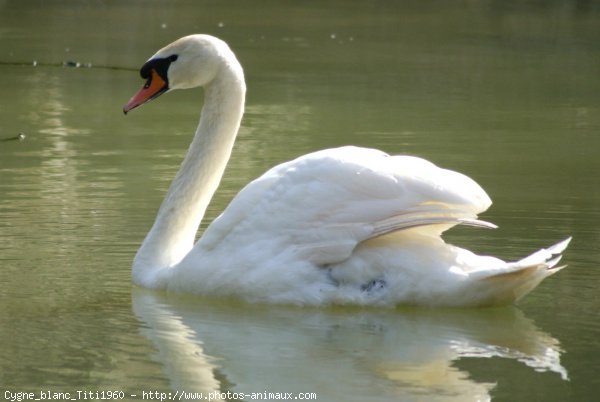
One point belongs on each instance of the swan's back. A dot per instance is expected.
(341, 194)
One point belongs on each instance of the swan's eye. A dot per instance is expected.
(172, 58)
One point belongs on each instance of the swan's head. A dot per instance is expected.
(191, 61)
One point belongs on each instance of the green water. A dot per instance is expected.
(506, 92)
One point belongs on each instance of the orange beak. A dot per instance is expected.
(154, 87)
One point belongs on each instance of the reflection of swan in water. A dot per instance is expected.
(340, 354)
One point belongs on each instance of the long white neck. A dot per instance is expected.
(173, 233)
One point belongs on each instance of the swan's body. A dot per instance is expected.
(345, 225)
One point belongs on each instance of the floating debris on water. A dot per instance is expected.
(76, 64)
(66, 63)
(19, 137)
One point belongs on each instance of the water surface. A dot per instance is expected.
(506, 92)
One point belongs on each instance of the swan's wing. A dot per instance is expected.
(325, 203)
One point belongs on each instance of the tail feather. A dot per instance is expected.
(519, 278)
(545, 260)
(548, 257)
(558, 248)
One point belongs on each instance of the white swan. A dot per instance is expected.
(345, 225)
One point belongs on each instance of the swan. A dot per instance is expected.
(347, 225)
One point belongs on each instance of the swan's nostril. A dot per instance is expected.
(153, 88)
